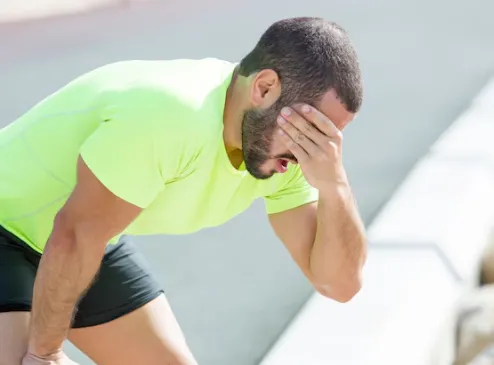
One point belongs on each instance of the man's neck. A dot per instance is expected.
(233, 113)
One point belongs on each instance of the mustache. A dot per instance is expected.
(287, 156)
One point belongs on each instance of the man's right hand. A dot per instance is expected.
(58, 359)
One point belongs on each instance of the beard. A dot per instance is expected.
(258, 128)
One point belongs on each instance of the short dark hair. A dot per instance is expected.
(311, 56)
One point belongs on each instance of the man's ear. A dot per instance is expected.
(265, 89)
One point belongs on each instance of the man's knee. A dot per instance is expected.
(14, 332)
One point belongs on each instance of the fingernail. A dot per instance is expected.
(286, 111)
(306, 108)
(281, 120)
(281, 132)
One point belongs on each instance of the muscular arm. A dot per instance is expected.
(89, 219)
(327, 241)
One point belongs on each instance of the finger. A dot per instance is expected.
(298, 136)
(323, 123)
(297, 150)
(304, 126)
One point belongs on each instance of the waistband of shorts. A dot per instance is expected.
(16, 241)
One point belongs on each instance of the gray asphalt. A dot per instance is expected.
(234, 289)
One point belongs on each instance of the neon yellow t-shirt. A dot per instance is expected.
(151, 132)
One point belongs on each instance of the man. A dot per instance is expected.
(171, 147)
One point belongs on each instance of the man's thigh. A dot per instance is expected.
(17, 274)
(14, 330)
(149, 335)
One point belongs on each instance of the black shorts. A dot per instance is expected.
(123, 284)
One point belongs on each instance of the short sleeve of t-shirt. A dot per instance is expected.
(126, 151)
(294, 193)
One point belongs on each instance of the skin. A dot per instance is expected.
(149, 335)
(325, 239)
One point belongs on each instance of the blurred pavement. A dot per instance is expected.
(234, 289)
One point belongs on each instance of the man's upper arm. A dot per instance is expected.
(93, 213)
(293, 215)
(296, 228)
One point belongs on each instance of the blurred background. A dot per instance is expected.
(234, 289)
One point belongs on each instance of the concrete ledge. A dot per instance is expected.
(442, 204)
(425, 253)
(385, 321)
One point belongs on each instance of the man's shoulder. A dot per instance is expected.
(180, 77)
(181, 88)
(176, 98)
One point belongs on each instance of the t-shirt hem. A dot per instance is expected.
(5, 229)
(284, 206)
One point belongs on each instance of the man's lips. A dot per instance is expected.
(281, 165)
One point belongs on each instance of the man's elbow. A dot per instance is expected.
(70, 233)
(341, 291)
(63, 232)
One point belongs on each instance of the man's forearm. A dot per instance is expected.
(66, 270)
(340, 247)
